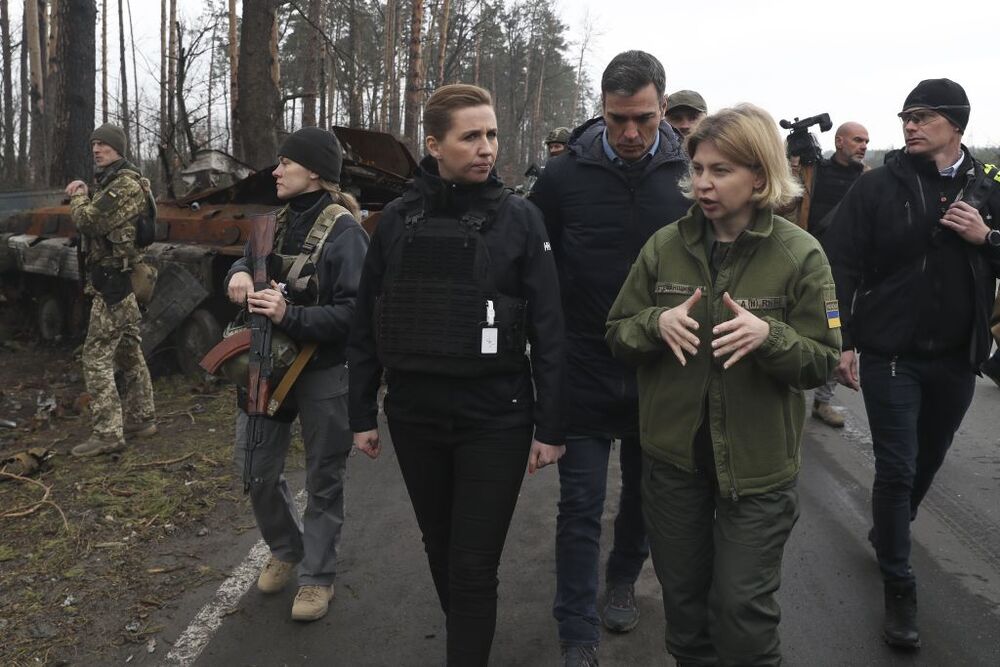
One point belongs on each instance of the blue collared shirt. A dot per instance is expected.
(953, 169)
(614, 158)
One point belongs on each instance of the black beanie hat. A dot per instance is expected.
(941, 95)
(112, 135)
(315, 149)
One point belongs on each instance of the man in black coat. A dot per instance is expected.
(615, 186)
(915, 253)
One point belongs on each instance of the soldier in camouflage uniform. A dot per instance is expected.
(106, 222)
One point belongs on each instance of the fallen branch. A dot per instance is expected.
(153, 464)
(25, 510)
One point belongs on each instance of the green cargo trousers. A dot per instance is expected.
(719, 563)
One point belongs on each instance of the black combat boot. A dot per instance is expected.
(900, 628)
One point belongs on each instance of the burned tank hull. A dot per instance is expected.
(198, 237)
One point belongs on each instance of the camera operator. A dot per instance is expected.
(831, 179)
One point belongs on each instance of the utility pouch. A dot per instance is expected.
(112, 285)
(143, 279)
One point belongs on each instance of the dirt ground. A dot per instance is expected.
(90, 549)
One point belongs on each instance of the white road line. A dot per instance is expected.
(199, 632)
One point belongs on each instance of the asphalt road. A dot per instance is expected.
(385, 611)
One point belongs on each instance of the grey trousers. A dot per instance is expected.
(824, 392)
(719, 563)
(321, 396)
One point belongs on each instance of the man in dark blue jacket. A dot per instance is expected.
(615, 185)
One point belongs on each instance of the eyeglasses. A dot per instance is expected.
(918, 118)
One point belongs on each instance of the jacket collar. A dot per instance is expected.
(587, 144)
(692, 227)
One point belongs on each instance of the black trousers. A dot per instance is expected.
(464, 484)
(914, 407)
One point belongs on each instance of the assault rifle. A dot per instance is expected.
(260, 361)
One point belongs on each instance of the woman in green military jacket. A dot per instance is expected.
(728, 314)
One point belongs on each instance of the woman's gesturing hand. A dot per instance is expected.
(677, 328)
(739, 336)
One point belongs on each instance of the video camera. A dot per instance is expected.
(803, 144)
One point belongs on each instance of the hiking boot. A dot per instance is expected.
(142, 429)
(275, 575)
(900, 627)
(621, 613)
(579, 656)
(828, 414)
(97, 444)
(311, 602)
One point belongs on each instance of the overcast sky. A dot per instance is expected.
(853, 60)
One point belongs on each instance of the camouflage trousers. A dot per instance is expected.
(113, 342)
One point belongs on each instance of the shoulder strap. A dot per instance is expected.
(313, 244)
(480, 217)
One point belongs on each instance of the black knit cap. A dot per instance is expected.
(315, 149)
(112, 135)
(941, 95)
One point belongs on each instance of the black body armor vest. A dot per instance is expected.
(440, 311)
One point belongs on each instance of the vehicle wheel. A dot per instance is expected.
(194, 338)
(50, 318)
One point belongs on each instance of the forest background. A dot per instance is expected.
(235, 76)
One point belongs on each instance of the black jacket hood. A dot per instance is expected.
(585, 142)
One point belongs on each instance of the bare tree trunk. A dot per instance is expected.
(38, 153)
(164, 27)
(479, 54)
(22, 135)
(123, 114)
(211, 86)
(259, 97)
(137, 148)
(104, 61)
(9, 157)
(183, 119)
(72, 109)
(414, 79)
(588, 32)
(332, 110)
(388, 63)
(234, 134)
(443, 41)
(396, 73)
(171, 69)
(311, 74)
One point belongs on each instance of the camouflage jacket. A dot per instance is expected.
(106, 218)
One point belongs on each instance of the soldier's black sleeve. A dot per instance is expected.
(339, 272)
(545, 197)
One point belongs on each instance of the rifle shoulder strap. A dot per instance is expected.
(313, 245)
(291, 375)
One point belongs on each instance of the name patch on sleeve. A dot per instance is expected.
(832, 314)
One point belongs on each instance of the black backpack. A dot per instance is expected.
(145, 222)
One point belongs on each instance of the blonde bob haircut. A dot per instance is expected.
(446, 100)
(748, 135)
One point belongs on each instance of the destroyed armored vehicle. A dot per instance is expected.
(198, 237)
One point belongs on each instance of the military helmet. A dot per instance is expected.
(283, 353)
(560, 135)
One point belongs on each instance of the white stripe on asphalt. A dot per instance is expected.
(199, 632)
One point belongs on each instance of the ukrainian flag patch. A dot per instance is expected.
(832, 314)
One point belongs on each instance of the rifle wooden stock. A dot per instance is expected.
(225, 350)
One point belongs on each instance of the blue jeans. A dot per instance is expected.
(914, 408)
(583, 477)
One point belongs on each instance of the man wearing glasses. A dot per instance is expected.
(915, 267)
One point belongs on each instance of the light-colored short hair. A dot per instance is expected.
(446, 100)
(748, 135)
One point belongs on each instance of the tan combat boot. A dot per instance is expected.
(311, 602)
(827, 414)
(143, 429)
(275, 575)
(97, 444)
